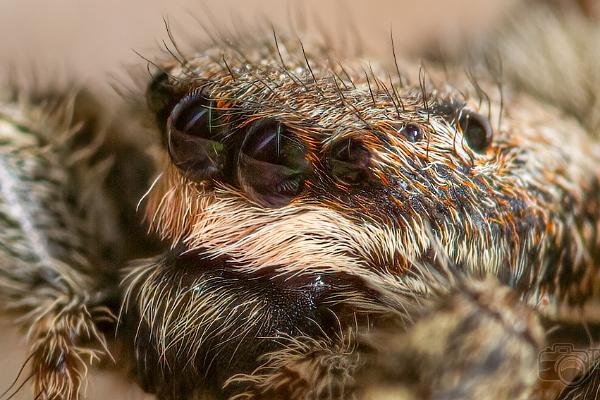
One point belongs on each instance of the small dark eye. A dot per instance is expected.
(272, 164)
(477, 130)
(412, 132)
(349, 162)
(158, 91)
(191, 130)
(161, 96)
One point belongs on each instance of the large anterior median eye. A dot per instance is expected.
(272, 164)
(191, 129)
(477, 130)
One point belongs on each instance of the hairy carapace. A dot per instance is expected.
(321, 225)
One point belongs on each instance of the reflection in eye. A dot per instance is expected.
(191, 141)
(272, 164)
(412, 132)
(349, 162)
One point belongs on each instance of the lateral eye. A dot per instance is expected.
(412, 132)
(349, 162)
(476, 130)
(272, 165)
(191, 144)
(159, 97)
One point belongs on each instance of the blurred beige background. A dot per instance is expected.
(94, 41)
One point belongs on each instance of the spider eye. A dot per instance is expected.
(158, 91)
(477, 130)
(161, 96)
(349, 162)
(412, 132)
(191, 144)
(272, 164)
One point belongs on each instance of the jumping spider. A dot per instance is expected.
(328, 230)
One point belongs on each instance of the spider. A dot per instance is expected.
(319, 227)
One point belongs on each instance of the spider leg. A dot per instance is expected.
(477, 341)
(50, 281)
(584, 386)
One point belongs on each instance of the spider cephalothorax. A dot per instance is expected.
(296, 182)
(330, 230)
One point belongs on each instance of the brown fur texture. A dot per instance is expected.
(333, 227)
(525, 210)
